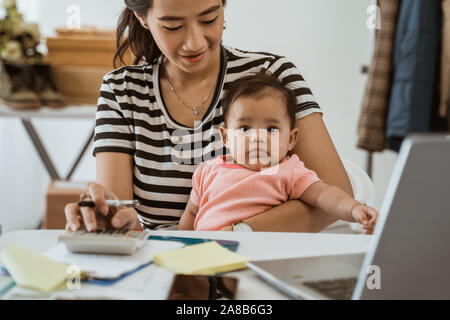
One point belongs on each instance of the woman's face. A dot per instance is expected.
(188, 32)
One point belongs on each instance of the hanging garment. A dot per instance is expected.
(372, 119)
(416, 53)
(445, 60)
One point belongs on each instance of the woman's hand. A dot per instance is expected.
(227, 228)
(101, 216)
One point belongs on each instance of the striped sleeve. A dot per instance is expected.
(196, 192)
(286, 72)
(113, 132)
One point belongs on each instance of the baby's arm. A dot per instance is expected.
(188, 217)
(339, 204)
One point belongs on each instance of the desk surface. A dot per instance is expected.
(255, 245)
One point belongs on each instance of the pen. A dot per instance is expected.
(113, 203)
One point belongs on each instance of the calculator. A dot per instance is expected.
(103, 241)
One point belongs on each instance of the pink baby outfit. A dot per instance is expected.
(227, 193)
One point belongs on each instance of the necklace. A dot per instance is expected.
(194, 108)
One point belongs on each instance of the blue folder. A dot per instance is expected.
(229, 244)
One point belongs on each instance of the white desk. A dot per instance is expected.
(255, 245)
(70, 112)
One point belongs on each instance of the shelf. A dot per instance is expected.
(69, 112)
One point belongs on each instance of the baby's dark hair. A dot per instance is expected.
(255, 85)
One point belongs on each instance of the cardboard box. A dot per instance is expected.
(79, 84)
(80, 58)
(59, 194)
(85, 31)
(86, 51)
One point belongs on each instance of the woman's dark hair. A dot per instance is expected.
(255, 85)
(139, 39)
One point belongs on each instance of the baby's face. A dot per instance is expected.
(258, 131)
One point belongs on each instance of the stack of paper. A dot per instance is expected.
(133, 287)
(206, 258)
(102, 266)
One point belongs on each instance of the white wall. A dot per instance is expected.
(328, 40)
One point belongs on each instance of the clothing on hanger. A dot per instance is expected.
(415, 63)
(445, 60)
(371, 126)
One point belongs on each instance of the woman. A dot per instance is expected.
(158, 120)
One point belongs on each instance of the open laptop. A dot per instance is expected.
(409, 256)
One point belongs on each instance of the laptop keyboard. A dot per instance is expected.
(339, 289)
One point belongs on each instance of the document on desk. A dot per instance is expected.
(133, 287)
(101, 266)
(150, 283)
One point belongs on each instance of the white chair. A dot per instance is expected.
(363, 191)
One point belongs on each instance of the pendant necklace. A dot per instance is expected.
(195, 109)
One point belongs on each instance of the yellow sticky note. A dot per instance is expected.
(32, 270)
(206, 258)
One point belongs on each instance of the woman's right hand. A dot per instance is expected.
(101, 216)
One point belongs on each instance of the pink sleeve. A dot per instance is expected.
(301, 179)
(196, 193)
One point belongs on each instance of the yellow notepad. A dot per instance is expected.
(31, 270)
(206, 258)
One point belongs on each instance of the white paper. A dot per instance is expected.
(110, 266)
(149, 283)
(20, 293)
(6, 283)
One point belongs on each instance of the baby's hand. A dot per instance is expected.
(367, 216)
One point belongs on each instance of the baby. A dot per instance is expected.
(259, 116)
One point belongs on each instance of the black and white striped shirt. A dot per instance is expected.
(131, 118)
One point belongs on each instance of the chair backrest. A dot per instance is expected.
(363, 191)
(362, 185)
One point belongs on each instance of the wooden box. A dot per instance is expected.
(84, 50)
(59, 194)
(79, 85)
(79, 59)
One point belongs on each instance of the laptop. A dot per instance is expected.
(409, 255)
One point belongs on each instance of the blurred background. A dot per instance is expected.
(328, 40)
